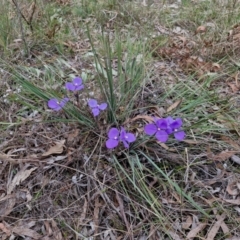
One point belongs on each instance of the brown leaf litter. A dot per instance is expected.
(193, 55)
(182, 50)
(21, 229)
(61, 186)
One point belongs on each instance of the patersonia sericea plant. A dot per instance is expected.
(75, 85)
(95, 107)
(158, 129)
(162, 128)
(115, 137)
(57, 105)
(175, 127)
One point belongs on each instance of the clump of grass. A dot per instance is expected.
(119, 85)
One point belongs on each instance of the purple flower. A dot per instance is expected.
(75, 85)
(95, 107)
(56, 104)
(126, 138)
(162, 128)
(176, 125)
(115, 136)
(113, 140)
(159, 128)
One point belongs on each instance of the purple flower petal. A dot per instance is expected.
(130, 137)
(169, 130)
(113, 133)
(92, 103)
(162, 136)
(150, 129)
(179, 135)
(122, 133)
(125, 143)
(63, 102)
(69, 86)
(169, 120)
(77, 88)
(161, 124)
(102, 106)
(66, 99)
(95, 112)
(176, 124)
(111, 143)
(126, 138)
(77, 81)
(54, 104)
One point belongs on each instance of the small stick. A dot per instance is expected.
(29, 22)
(20, 15)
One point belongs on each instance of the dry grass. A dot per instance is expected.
(58, 180)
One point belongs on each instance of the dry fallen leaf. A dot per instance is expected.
(201, 29)
(7, 204)
(174, 235)
(56, 231)
(24, 230)
(214, 230)
(4, 229)
(211, 200)
(56, 149)
(231, 189)
(234, 87)
(194, 232)
(236, 80)
(232, 201)
(224, 155)
(163, 145)
(4, 157)
(187, 223)
(190, 141)
(215, 67)
(122, 211)
(7, 158)
(96, 214)
(20, 177)
(73, 135)
(27, 232)
(84, 211)
(224, 227)
(48, 229)
(27, 194)
(232, 238)
(231, 142)
(166, 147)
(174, 105)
